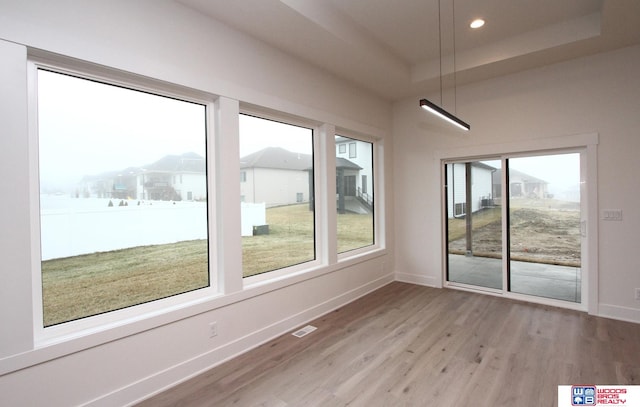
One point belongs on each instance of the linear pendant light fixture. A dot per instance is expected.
(443, 114)
(432, 107)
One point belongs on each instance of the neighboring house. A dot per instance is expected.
(111, 184)
(105, 185)
(486, 187)
(276, 177)
(521, 185)
(357, 183)
(348, 194)
(172, 178)
(481, 190)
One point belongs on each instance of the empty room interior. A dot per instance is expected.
(320, 203)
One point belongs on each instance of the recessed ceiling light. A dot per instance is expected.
(477, 23)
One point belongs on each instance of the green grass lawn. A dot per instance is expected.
(291, 238)
(81, 286)
(290, 241)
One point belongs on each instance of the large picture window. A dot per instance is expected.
(123, 196)
(278, 228)
(354, 193)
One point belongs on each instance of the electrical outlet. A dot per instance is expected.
(213, 329)
(637, 294)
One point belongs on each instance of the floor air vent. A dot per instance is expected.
(304, 331)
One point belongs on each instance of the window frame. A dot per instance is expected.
(318, 261)
(377, 163)
(51, 334)
(506, 228)
(587, 145)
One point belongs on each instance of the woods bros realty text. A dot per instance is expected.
(596, 395)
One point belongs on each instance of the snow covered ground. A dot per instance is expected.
(73, 226)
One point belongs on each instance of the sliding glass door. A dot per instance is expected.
(474, 223)
(544, 226)
(513, 225)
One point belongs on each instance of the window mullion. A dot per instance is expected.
(228, 211)
(16, 216)
(327, 184)
(506, 252)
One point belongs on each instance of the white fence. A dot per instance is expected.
(71, 226)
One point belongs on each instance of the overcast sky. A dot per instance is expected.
(87, 128)
(561, 171)
(257, 133)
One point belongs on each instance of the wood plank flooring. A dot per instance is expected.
(408, 345)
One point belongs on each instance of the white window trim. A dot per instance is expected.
(324, 155)
(377, 156)
(81, 327)
(318, 171)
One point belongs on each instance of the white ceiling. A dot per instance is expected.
(394, 47)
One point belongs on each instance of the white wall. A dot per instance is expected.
(275, 187)
(597, 94)
(457, 193)
(481, 186)
(456, 172)
(194, 183)
(160, 39)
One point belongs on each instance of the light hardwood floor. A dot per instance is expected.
(407, 345)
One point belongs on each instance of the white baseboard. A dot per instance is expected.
(163, 380)
(620, 313)
(418, 279)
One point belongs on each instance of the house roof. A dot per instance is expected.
(526, 177)
(343, 163)
(480, 164)
(184, 163)
(283, 159)
(277, 158)
(497, 176)
(187, 162)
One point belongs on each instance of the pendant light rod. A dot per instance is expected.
(432, 107)
(443, 114)
(455, 80)
(440, 48)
